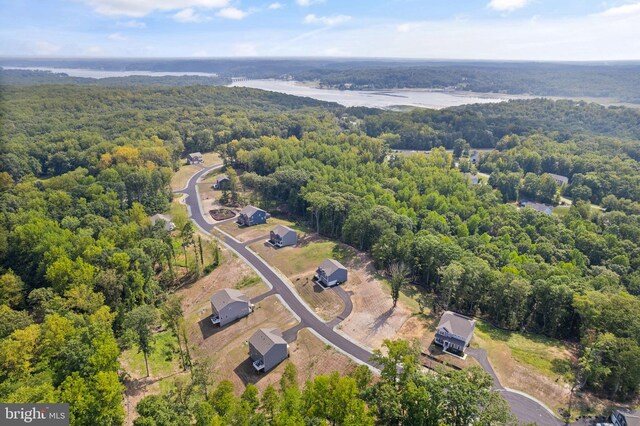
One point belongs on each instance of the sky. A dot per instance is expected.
(557, 30)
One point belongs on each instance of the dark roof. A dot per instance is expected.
(195, 154)
(282, 230)
(329, 266)
(226, 296)
(221, 178)
(250, 210)
(266, 338)
(457, 324)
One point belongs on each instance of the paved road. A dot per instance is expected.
(306, 317)
(525, 408)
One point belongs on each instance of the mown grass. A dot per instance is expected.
(546, 355)
(164, 358)
(249, 281)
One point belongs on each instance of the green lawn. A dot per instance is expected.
(306, 256)
(546, 355)
(163, 360)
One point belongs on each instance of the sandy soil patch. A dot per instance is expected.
(324, 301)
(374, 318)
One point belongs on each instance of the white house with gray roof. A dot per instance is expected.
(267, 348)
(331, 272)
(454, 331)
(228, 305)
(282, 236)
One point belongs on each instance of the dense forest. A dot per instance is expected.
(619, 81)
(84, 274)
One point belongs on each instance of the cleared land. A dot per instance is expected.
(180, 178)
(530, 363)
(247, 233)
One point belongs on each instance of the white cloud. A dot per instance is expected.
(139, 8)
(275, 6)
(305, 3)
(93, 51)
(326, 20)
(132, 24)
(626, 10)
(45, 48)
(117, 37)
(232, 13)
(508, 5)
(245, 49)
(407, 27)
(187, 16)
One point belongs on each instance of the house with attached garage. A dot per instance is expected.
(228, 305)
(251, 215)
(331, 272)
(454, 332)
(282, 236)
(267, 348)
(221, 182)
(195, 158)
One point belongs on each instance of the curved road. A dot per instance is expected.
(523, 406)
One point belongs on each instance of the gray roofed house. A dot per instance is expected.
(228, 305)
(168, 225)
(267, 348)
(625, 418)
(541, 207)
(251, 215)
(454, 331)
(281, 236)
(560, 180)
(331, 272)
(222, 182)
(195, 158)
(472, 178)
(474, 158)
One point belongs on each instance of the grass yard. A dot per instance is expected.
(180, 178)
(305, 256)
(163, 360)
(531, 363)
(247, 233)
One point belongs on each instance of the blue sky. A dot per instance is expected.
(434, 29)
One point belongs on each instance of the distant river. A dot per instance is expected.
(379, 98)
(87, 73)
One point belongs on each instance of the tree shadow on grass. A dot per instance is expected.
(381, 320)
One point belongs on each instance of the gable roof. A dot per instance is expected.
(329, 266)
(221, 178)
(266, 338)
(227, 296)
(250, 210)
(559, 177)
(282, 230)
(541, 207)
(195, 154)
(457, 324)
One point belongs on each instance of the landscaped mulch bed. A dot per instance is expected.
(221, 214)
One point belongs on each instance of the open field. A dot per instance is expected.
(247, 233)
(534, 364)
(180, 178)
(164, 359)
